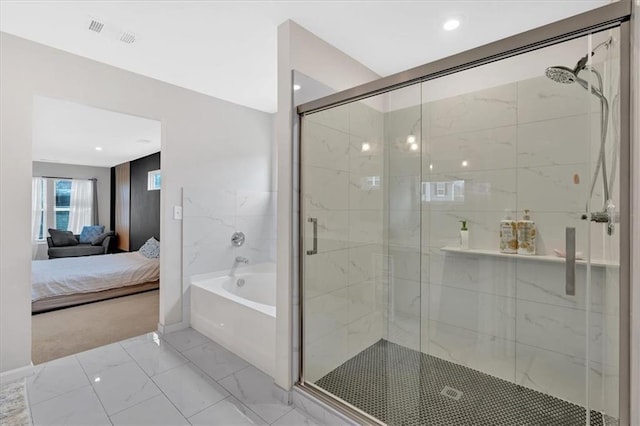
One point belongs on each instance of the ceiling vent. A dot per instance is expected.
(109, 31)
(126, 37)
(96, 26)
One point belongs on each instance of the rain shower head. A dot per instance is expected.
(565, 75)
(561, 74)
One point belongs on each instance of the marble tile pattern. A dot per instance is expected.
(525, 145)
(211, 216)
(380, 270)
(113, 385)
(343, 168)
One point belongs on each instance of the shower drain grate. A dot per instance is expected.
(401, 386)
(452, 393)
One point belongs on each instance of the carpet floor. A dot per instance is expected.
(68, 331)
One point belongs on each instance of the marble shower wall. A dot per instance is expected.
(343, 154)
(527, 145)
(402, 186)
(211, 216)
(386, 213)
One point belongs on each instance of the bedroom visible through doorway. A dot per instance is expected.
(95, 227)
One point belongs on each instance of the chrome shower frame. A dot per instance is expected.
(614, 15)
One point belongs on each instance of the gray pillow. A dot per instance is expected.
(150, 249)
(62, 238)
(100, 238)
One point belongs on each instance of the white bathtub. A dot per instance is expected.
(240, 318)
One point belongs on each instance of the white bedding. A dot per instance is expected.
(70, 275)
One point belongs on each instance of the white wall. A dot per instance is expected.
(204, 140)
(102, 174)
(300, 50)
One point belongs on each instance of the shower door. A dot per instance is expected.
(408, 318)
(506, 139)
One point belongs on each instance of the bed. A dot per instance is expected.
(59, 283)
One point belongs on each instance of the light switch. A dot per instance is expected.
(177, 212)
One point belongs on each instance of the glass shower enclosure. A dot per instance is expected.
(427, 296)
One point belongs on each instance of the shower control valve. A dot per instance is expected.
(237, 239)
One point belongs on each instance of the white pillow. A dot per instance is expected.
(150, 249)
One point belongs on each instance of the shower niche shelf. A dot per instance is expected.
(534, 258)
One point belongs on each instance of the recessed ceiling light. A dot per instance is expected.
(98, 148)
(414, 147)
(411, 139)
(465, 163)
(451, 24)
(297, 87)
(366, 147)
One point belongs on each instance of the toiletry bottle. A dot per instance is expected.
(464, 236)
(508, 234)
(526, 235)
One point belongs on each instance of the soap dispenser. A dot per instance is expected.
(508, 234)
(464, 236)
(526, 235)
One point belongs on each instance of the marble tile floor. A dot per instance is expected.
(182, 378)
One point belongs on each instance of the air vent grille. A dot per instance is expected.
(96, 26)
(127, 37)
(110, 31)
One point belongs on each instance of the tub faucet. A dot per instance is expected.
(238, 261)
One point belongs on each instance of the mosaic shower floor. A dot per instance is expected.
(401, 386)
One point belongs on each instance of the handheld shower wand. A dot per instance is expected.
(565, 75)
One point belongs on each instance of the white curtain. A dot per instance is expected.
(81, 205)
(38, 197)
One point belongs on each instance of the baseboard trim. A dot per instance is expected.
(17, 373)
(282, 395)
(170, 328)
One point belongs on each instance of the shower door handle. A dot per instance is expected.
(315, 236)
(570, 265)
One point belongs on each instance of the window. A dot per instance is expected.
(154, 180)
(62, 205)
(451, 191)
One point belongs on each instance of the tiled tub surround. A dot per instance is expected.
(344, 301)
(210, 217)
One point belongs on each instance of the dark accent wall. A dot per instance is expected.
(112, 199)
(144, 212)
(145, 204)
